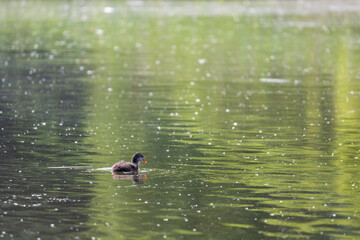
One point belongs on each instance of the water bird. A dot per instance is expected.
(129, 166)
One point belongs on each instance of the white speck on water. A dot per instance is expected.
(108, 9)
(227, 110)
(52, 225)
(192, 83)
(165, 219)
(274, 80)
(99, 31)
(109, 89)
(208, 75)
(157, 62)
(235, 124)
(43, 123)
(197, 100)
(202, 61)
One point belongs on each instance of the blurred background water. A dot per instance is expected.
(247, 112)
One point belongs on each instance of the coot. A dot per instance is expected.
(129, 166)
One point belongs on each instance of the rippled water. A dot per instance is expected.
(247, 112)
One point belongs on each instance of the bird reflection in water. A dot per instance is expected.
(133, 176)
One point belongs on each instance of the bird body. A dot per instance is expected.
(125, 167)
(129, 166)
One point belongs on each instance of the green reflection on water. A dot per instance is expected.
(248, 118)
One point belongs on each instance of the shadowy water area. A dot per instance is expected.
(247, 114)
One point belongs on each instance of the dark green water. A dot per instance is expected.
(247, 112)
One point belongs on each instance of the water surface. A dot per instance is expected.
(247, 112)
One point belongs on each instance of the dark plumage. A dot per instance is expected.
(129, 166)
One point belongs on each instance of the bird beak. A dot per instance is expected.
(144, 160)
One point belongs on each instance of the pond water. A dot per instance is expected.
(248, 114)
